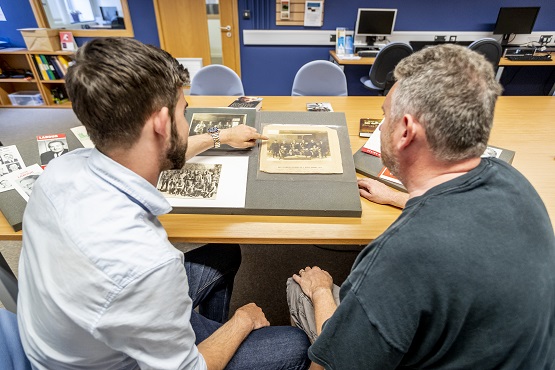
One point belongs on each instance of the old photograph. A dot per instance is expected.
(201, 122)
(300, 149)
(51, 146)
(195, 180)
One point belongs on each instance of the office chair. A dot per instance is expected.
(319, 78)
(12, 356)
(490, 48)
(380, 77)
(217, 79)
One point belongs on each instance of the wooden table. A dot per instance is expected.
(522, 124)
(503, 62)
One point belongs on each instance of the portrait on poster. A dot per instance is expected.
(195, 180)
(300, 149)
(201, 122)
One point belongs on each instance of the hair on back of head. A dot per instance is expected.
(116, 84)
(452, 91)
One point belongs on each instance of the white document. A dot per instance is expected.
(24, 179)
(81, 134)
(2, 16)
(10, 161)
(231, 184)
(313, 14)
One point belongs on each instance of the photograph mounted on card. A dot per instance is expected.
(299, 149)
(23, 180)
(368, 126)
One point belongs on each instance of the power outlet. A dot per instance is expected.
(439, 38)
(333, 37)
(545, 39)
(246, 14)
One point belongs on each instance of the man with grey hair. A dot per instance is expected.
(465, 277)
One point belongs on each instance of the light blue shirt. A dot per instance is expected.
(100, 285)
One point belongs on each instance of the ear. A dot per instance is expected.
(411, 129)
(161, 122)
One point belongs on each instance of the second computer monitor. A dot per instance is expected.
(372, 23)
(515, 20)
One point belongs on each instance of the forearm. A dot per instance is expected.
(198, 144)
(219, 348)
(324, 307)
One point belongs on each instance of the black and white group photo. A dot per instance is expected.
(195, 180)
(201, 122)
(298, 146)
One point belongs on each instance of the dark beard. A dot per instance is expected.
(174, 158)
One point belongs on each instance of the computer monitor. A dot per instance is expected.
(109, 12)
(372, 23)
(515, 20)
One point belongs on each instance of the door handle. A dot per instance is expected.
(226, 28)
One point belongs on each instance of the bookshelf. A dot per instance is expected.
(23, 60)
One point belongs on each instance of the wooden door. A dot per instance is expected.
(183, 30)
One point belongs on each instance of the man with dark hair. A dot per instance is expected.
(101, 286)
(465, 277)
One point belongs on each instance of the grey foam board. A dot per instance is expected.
(299, 194)
(12, 204)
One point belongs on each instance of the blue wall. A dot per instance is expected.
(269, 70)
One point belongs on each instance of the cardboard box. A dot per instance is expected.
(41, 39)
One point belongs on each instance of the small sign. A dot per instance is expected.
(314, 13)
(67, 41)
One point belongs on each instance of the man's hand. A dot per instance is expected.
(378, 192)
(240, 136)
(253, 314)
(313, 281)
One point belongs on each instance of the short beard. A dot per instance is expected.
(174, 157)
(388, 159)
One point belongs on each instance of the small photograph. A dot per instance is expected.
(26, 183)
(294, 145)
(8, 155)
(319, 107)
(12, 167)
(201, 122)
(368, 126)
(51, 146)
(491, 152)
(5, 184)
(194, 181)
(3, 170)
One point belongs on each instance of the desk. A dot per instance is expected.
(503, 62)
(522, 124)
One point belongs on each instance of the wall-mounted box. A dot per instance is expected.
(41, 39)
(26, 98)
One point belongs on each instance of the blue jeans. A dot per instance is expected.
(211, 270)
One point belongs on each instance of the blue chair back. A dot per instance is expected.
(12, 356)
(319, 78)
(217, 79)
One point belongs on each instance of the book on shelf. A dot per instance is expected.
(368, 126)
(319, 107)
(247, 102)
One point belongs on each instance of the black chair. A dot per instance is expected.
(490, 48)
(380, 77)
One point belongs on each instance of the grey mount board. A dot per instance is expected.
(12, 204)
(333, 195)
(371, 166)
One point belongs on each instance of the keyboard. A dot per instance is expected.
(368, 53)
(531, 58)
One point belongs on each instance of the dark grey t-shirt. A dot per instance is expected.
(464, 279)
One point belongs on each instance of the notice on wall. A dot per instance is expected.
(314, 14)
(2, 16)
